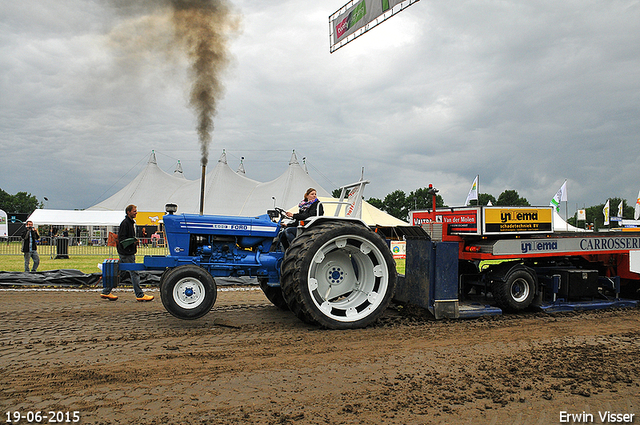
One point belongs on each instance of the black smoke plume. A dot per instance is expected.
(203, 26)
(197, 29)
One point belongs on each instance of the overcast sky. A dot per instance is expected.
(525, 94)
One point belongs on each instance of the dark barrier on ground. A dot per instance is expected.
(69, 278)
(75, 278)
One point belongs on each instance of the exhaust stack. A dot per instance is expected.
(204, 168)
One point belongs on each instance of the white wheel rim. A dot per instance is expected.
(189, 293)
(348, 278)
(520, 290)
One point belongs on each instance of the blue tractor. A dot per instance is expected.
(337, 272)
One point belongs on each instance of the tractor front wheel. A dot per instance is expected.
(188, 292)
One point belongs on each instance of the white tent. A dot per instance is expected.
(226, 192)
(76, 218)
(370, 214)
(287, 190)
(559, 225)
(148, 190)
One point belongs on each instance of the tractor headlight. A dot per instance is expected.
(170, 208)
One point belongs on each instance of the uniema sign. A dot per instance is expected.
(500, 220)
(594, 244)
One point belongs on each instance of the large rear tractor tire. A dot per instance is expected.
(516, 292)
(338, 275)
(188, 292)
(273, 294)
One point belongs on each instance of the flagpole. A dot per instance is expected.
(478, 190)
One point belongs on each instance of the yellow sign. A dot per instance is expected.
(518, 219)
(149, 218)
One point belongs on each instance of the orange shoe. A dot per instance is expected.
(109, 297)
(145, 298)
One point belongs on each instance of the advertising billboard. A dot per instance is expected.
(4, 230)
(501, 220)
(463, 220)
(359, 16)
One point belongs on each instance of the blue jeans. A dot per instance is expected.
(36, 260)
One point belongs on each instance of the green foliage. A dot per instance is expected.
(595, 215)
(484, 199)
(398, 203)
(510, 198)
(21, 202)
(378, 203)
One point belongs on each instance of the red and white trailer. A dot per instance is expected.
(471, 261)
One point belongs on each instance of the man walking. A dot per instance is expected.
(29, 247)
(127, 248)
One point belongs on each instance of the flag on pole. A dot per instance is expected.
(605, 211)
(620, 209)
(636, 214)
(582, 215)
(560, 196)
(473, 193)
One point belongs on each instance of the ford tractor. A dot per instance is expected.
(337, 272)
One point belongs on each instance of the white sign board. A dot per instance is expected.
(4, 229)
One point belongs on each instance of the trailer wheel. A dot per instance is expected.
(188, 292)
(274, 294)
(339, 275)
(516, 292)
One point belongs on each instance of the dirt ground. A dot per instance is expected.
(126, 362)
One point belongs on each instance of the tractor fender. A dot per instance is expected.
(314, 221)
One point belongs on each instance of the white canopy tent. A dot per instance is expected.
(559, 225)
(370, 214)
(226, 192)
(76, 218)
(149, 190)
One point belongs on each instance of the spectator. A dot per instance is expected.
(127, 248)
(29, 247)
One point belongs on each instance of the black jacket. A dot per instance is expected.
(27, 236)
(311, 211)
(127, 231)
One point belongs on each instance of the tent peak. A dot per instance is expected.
(294, 158)
(223, 157)
(178, 172)
(241, 169)
(152, 158)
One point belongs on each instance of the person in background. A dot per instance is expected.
(29, 247)
(155, 238)
(127, 248)
(309, 207)
(145, 237)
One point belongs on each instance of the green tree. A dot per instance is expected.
(398, 203)
(5, 201)
(421, 199)
(21, 202)
(378, 203)
(484, 198)
(395, 204)
(510, 198)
